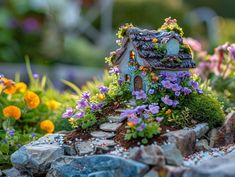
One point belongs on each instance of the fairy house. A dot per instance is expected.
(154, 50)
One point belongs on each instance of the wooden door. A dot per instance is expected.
(138, 83)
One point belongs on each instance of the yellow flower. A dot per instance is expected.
(8, 86)
(48, 126)
(21, 87)
(168, 111)
(154, 40)
(52, 104)
(130, 124)
(12, 111)
(101, 97)
(72, 120)
(32, 99)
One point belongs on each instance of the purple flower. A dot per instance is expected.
(171, 77)
(140, 95)
(35, 76)
(135, 120)
(186, 90)
(141, 127)
(177, 93)
(79, 115)
(176, 87)
(120, 81)
(128, 113)
(94, 107)
(146, 115)
(200, 91)
(231, 50)
(30, 24)
(100, 105)
(33, 135)
(159, 119)
(82, 104)
(167, 100)
(114, 70)
(86, 95)
(151, 91)
(11, 132)
(166, 84)
(154, 109)
(163, 73)
(140, 109)
(175, 103)
(68, 113)
(103, 89)
(194, 84)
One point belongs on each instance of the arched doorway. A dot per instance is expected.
(138, 83)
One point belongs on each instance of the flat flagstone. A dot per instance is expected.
(110, 127)
(117, 119)
(103, 143)
(85, 147)
(102, 134)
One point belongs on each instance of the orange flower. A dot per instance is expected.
(21, 87)
(168, 111)
(154, 40)
(8, 86)
(155, 78)
(130, 124)
(101, 97)
(141, 68)
(12, 111)
(52, 104)
(32, 99)
(48, 126)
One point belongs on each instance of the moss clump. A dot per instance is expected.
(205, 108)
(171, 25)
(123, 29)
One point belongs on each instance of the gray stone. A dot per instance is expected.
(212, 137)
(36, 158)
(151, 155)
(202, 145)
(85, 148)
(201, 129)
(102, 174)
(214, 167)
(69, 150)
(172, 154)
(185, 140)
(226, 134)
(152, 173)
(117, 119)
(103, 143)
(102, 134)
(12, 172)
(110, 127)
(90, 165)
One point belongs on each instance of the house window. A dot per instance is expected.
(172, 47)
(127, 77)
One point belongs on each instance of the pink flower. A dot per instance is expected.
(194, 44)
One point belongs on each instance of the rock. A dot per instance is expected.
(172, 154)
(150, 155)
(214, 167)
(201, 129)
(12, 172)
(85, 148)
(69, 150)
(212, 137)
(110, 127)
(202, 145)
(102, 134)
(103, 143)
(152, 173)
(0, 173)
(226, 134)
(96, 165)
(102, 174)
(117, 119)
(36, 158)
(166, 171)
(185, 140)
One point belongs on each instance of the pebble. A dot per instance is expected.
(110, 127)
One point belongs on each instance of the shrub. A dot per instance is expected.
(205, 108)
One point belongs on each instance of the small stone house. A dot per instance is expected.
(157, 50)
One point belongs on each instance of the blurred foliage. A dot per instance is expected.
(226, 30)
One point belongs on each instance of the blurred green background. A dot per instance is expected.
(76, 35)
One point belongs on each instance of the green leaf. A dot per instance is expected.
(4, 148)
(72, 86)
(144, 141)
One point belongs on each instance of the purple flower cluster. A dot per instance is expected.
(68, 113)
(114, 70)
(10, 132)
(169, 101)
(103, 89)
(139, 95)
(82, 104)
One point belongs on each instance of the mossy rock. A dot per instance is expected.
(205, 108)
